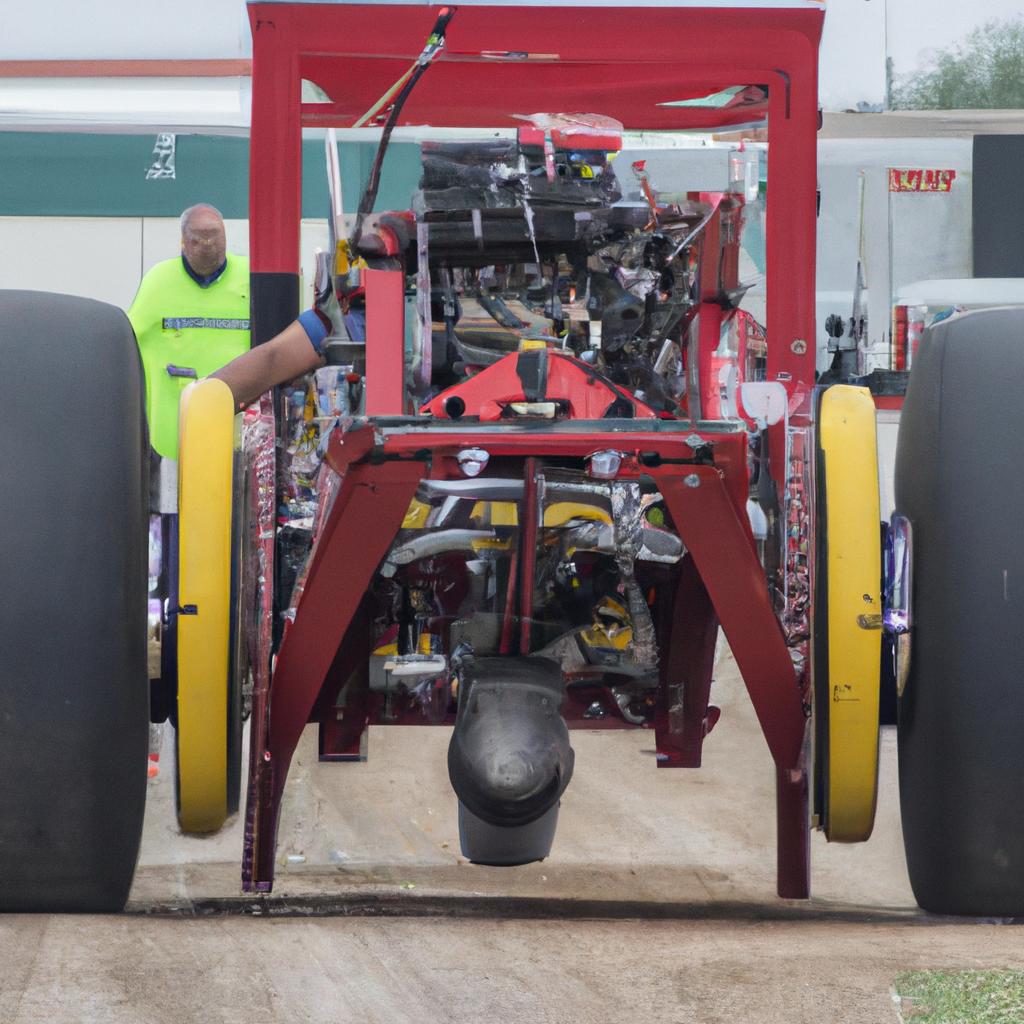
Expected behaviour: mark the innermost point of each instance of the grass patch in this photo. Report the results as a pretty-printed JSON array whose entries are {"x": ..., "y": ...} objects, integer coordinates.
[{"x": 961, "y": 997}]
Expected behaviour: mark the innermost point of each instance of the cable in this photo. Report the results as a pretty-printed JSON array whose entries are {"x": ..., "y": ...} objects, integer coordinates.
[{"x": 434, "y": 45}]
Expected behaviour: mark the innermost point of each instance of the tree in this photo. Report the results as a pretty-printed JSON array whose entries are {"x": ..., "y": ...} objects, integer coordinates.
[{"x": 986, "y": 71}]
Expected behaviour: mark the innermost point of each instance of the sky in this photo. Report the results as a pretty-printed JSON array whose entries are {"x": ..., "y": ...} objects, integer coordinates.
[
  {"x": 859, "y": 32},
  {"x": 852, "y": 55}
]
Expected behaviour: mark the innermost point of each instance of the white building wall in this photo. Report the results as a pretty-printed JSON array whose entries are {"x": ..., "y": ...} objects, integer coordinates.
[{"x": 104, "y": 258}]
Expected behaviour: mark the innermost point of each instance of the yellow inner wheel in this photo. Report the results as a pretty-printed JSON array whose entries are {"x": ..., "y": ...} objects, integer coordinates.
[
  {"x": 852, "y": 577},
  {"x": 204, "y": 597}
]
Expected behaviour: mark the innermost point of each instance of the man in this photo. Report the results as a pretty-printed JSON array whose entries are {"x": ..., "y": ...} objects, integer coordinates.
[{"x": 191, "y": 316}]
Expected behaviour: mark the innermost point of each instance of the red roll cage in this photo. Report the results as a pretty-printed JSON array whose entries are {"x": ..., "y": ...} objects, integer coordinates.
[{"x": 635, "y": 63}]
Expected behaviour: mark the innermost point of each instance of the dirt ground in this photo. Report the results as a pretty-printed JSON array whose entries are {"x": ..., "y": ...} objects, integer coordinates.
[{"x": 657, "y": 904}]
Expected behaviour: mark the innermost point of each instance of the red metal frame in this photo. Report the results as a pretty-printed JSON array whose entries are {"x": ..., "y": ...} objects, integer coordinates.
[
  {"x": 379, "y": 478},
  {"x": 606, "y": 60},
  {"x": 587, "y": 395}
]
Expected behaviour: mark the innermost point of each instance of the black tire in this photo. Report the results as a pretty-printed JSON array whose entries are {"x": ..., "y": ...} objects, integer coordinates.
[
  {"x": 961, "y": 716},
  {"x": 73, "y": 542}
]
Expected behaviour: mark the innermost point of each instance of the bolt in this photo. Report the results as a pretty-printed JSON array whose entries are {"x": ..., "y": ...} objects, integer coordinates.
[{"x": 692, "y": 480}]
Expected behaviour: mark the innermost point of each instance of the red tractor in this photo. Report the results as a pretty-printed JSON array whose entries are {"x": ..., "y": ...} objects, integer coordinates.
[{"x": 550, "y": 455}]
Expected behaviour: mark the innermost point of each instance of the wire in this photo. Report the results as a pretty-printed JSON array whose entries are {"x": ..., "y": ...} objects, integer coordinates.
[
  {"x": 384, "y": 99},
  {"x": 434, "y": 45}
]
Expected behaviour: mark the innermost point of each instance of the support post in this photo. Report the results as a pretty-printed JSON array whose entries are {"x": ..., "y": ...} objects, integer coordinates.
[
  {"x": 792, "y": 833},
  {"x": 369, "y": 506},
  {"x": 275, "y": 175},
  {"x": 723, "y": 552},
  {"x": 682, "y": 717}
]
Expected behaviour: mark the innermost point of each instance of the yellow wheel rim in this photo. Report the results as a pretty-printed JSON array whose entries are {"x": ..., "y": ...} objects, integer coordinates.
[
  {"x": 852, "y": 570},
  {"x": 206, "y": 447}
]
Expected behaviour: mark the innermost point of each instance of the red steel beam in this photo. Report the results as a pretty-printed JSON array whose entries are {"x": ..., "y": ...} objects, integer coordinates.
[
  {"x": 529, "y": 521},
  {"x": 687, "y": 662},
  {"x": 275, "y": 148},
  {"x": 370, "y": 506},
  {"x": 722, "y": 548}
]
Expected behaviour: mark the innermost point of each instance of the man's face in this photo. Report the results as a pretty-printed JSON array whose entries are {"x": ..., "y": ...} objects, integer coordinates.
[{"x": 203, "y": 243}]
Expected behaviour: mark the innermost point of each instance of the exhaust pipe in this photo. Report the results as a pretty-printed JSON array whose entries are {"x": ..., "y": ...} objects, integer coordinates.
[{"x": 509, "y": 759}]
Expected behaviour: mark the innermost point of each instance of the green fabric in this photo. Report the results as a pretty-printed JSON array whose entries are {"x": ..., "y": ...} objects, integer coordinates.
[{"x": 178, "y": 323}]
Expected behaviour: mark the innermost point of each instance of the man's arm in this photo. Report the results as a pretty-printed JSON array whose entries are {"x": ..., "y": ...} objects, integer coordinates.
[{"x": 285, "y": 356}]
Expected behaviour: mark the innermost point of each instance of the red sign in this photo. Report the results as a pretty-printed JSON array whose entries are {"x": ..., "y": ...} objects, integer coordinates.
[{"x": 920, "y": 180}]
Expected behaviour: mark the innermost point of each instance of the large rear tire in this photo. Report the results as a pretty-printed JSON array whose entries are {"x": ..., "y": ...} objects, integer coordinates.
[
  {"x": 961, "y": 714},
  {"x": 74, "y": 715}
]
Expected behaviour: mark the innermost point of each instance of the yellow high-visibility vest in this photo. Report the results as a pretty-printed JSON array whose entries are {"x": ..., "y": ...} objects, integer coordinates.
[{"x": 185, "y": 332}]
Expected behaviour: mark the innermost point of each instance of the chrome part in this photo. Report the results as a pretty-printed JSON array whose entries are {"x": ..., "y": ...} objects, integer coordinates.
[
  {"x": 473, "y": 461},
  {"x": 897, "y": 599},
  {"x": 426, "y": 544},
  {"x": 604, "y": 465},
  {"x": 627, "y": 517}
]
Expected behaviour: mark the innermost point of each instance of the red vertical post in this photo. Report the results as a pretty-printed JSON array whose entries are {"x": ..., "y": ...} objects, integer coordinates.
[
  {"x": 275, "y": 173},
  {"x": 369, "y": 506},
  {"x": 717, "y": 537},
  {"x": 681, "y": 720},
  {"x": 385, "y": 342},
  {"x": 792, "y": 212},
  {"x": 792, "y": 833},
  {"x": 529, "y": 523},
  {"x": 709, "y": 325},
  {"x": 792, "y": 352}
]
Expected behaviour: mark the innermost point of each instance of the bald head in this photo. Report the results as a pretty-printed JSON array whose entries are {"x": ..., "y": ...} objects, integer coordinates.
[{"x": 203, "y": 242}]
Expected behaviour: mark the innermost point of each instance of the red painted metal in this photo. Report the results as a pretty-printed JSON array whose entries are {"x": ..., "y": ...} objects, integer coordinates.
[
  {"x": 370, "y": 505},
  {"x": 793, "y": 836},
  {"x": 729, "y": 447},
  {"x": 665, "y": 79},
  {"x": 719, "y": 539},
  {"x": 508, "y": 620},
  {"x": 342, "y": 729},
  {"x": 682, "y": 716},
  {"x": 385, "y": 342},
  {"x": 709, "y": 334},
  {"x": 900, "y": 331},
  {"x": 893, "y": 402},
  {"x": 792, "y": 143},
  {"x": 586, "y": 394},
  {"x": 275, "y": 145},
  {"x": 355, "y": 55},
  {"x": 344, "y": 739},
  {"x": 529, "y": 521}
]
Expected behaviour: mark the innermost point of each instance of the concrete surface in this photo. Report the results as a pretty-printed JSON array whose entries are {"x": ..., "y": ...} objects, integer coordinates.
[{"x": 657, "y": 904}]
